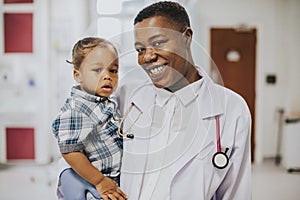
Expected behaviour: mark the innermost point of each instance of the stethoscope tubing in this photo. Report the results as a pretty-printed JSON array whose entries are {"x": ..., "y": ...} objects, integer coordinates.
[
  {"x": 218, "y": 133},
  {"x": 219, "y": 154}
]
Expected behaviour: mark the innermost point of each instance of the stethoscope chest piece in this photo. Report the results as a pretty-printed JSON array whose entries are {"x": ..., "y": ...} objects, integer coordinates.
[{"x": 220, "y": 160}]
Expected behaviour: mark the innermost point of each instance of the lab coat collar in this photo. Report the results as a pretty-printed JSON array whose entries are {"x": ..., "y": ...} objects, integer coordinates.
[
  {"x": 189, "y": 93},
  {"x": 184, "y": 95},
  {"x": 141, "y": 99},
  {"x": 210, "y": 96},
  {"x": 162, "y": 96}
]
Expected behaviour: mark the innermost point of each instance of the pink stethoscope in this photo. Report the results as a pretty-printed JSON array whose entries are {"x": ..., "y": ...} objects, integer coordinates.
[{"x": 220, "y": 160}]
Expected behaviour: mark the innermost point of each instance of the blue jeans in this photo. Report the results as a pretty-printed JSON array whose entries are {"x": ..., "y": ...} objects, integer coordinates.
[{"x": 74, "y": 187}]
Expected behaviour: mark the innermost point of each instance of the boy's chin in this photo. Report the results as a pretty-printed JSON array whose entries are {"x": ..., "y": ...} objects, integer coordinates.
[{"x": 102, "y": 94}]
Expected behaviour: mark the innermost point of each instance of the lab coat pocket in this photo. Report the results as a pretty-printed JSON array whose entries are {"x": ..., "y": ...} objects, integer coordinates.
[
  {"x": 206, "y": 150},
  {"x": 205, "y": 178}
]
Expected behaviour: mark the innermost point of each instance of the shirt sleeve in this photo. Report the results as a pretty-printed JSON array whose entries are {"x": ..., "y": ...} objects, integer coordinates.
[
  {"x": 237, "y": 183},
  {"x": 70, "y": 128}
]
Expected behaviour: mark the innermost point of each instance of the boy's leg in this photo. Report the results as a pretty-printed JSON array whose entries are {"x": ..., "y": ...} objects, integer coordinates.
[
  {"x": 74, "y": 187},
  {"x": 90, "y": 196}
]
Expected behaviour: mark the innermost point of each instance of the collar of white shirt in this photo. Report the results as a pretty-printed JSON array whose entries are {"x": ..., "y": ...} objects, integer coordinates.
[{"x": 184, "y": 95}]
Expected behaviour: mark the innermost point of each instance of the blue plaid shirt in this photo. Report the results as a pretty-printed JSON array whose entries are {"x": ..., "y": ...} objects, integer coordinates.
[{"x": 88, "y": 124}]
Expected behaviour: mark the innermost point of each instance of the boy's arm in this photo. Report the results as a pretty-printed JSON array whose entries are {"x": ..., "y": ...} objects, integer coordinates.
[
  {"x": 106, "y": 187},
  {"x": 79, "y": 162}
]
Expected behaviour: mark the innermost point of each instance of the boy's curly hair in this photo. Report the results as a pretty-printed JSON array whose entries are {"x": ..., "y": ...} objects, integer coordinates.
[{"x": 84, "y": 46}]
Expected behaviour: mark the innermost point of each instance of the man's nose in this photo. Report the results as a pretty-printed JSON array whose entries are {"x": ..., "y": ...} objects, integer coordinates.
[{"x": 150, "y": 55}]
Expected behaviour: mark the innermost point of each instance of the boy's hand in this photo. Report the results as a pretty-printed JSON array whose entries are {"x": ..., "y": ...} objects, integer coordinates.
[{"x": 108, "y": 189}]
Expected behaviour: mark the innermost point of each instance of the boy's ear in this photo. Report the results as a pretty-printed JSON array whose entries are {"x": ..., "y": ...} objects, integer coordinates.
[{"x": 77, "y": 75}]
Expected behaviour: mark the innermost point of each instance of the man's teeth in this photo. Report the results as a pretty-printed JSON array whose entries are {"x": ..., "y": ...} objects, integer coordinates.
[{"x": 157, "y": 70}]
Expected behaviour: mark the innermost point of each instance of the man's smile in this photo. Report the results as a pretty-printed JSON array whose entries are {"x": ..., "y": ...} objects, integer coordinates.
[{"x": 156, "y": 71}]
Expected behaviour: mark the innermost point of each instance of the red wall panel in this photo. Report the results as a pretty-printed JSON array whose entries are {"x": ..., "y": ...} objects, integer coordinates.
[
  {"x": 18, "y": 1},
  {"x": 20, "y": 143},
  {"x": 18, "y": 30}
]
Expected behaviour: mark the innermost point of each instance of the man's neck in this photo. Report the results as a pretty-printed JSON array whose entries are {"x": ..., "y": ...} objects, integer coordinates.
[{"x": 191, "y": 77}]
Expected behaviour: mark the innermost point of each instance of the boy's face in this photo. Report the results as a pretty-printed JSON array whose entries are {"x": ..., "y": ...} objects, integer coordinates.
[
  {"x": 161, "y": 51},
  {"x": 98, "y": 73}
]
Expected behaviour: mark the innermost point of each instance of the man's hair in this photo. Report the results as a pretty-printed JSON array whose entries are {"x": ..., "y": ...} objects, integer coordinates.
[{"x": 171, "y": 10}]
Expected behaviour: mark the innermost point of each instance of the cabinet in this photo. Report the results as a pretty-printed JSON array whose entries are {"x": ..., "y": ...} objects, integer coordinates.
[{"x": 290, "y": 143}]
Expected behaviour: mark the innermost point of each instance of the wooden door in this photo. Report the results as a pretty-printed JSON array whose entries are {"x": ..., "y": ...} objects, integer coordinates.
[{"x": 233, "y": 52}]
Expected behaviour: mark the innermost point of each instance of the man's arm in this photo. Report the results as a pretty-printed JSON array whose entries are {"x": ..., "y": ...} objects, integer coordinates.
[{"x": 237, "y": 183}]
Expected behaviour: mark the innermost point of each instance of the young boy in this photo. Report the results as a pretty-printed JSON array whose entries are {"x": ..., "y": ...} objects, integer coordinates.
[{"x": 86, "y": 126}]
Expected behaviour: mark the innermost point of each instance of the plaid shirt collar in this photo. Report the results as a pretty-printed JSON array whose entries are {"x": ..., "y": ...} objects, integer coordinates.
[{"x": 76, "y": 92}]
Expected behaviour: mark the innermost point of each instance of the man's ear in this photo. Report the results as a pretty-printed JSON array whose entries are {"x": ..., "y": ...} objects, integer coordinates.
[
  {"x": 77, "y": 75},
  {"x": 188, "y": 35}
]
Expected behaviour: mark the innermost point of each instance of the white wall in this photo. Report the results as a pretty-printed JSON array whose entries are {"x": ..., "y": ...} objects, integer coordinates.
[
  {"x": 291, "y": 33},
  {"x": 57, "y": 25},
  {"x": 23, "y": 104},
  {"x": 277, "y": 53},
  {"x": 69, "y": 22}
]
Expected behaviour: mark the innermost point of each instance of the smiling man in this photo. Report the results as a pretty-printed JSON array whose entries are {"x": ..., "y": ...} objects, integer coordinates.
[
  {"x": 181, "y": 121},
  {"x": 164, "y": 52}
]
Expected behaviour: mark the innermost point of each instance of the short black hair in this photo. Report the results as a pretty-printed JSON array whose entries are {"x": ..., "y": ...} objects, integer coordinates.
[{"x": 171, "y": 10}]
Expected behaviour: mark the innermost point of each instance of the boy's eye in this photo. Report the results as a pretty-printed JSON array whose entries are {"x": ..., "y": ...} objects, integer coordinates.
[
  {"x": 114, "y": 71},
  {"x": 97, "y": 70}
]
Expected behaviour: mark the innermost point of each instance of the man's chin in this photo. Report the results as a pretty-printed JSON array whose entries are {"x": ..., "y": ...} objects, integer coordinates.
[{"x": 158, "y": 85}]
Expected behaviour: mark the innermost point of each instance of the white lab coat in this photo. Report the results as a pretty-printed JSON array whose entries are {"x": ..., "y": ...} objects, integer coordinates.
[{"x": 191, "y": 175}]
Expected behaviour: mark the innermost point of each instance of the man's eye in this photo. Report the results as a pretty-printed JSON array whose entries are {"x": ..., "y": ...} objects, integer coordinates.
[
  {"x": 140, "y": 50},
  {"x": 158, "y": 43}
]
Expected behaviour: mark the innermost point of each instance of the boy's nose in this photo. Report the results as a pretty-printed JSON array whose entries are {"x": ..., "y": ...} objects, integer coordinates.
[{"x": 106, "y": 76}]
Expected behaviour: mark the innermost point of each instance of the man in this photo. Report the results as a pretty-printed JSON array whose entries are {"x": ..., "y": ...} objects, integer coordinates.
[{"x": 189, "y": 138}]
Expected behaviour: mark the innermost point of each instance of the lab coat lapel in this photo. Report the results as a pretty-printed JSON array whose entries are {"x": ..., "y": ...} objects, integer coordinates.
[
  {"x": 135, "y": 162},
  {"x": 211, "y": 99},
  {"x": 209, "y": 106}
]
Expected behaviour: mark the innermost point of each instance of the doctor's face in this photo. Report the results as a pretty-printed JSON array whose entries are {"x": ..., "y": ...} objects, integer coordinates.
[{"x": 162, "y": 51}]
